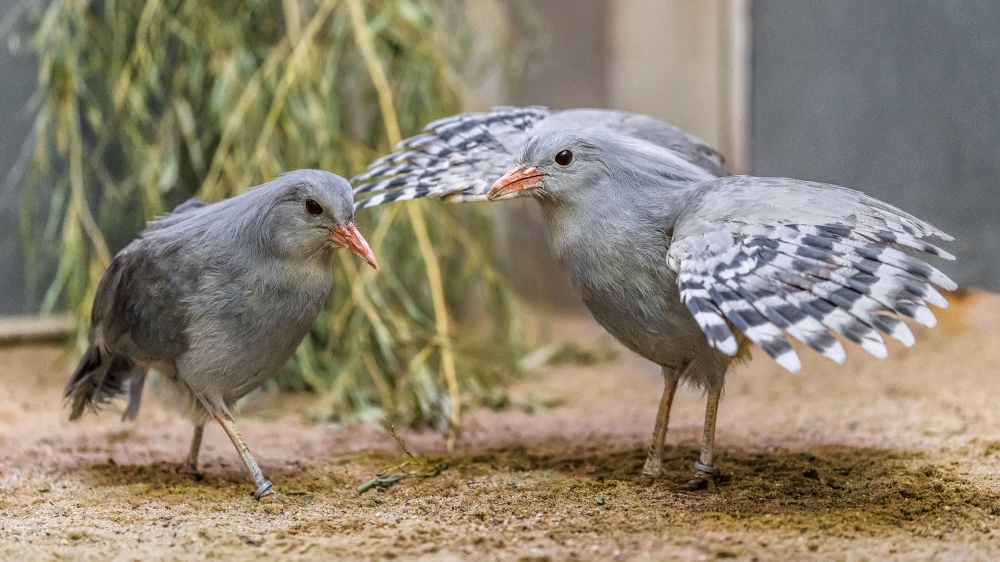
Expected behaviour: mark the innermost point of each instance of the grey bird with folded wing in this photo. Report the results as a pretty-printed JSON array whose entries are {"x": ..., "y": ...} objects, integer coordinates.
[{"x": 216, "y": 298}]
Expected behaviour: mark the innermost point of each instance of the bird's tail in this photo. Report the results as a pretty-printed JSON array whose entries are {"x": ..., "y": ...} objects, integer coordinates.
[{"x": 100, "y": 377}]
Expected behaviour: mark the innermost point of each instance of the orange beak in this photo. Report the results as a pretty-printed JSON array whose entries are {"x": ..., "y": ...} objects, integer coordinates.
[
  {"x": 350, "y": 238},
  {"x": 521, "y": 179}
]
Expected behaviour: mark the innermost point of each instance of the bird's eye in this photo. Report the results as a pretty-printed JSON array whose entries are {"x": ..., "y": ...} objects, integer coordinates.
[
  {"x": 313, "y": 208},
  {"x": 564, "y": 158}
]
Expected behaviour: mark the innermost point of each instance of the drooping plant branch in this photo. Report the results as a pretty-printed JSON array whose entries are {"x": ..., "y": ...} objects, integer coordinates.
[{"x": 142, "y": 106}]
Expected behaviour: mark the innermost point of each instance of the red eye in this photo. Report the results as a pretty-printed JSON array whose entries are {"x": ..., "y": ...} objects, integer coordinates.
[
  {"x": 564, "y": 158},
  {"x": 313, "y": 208}
]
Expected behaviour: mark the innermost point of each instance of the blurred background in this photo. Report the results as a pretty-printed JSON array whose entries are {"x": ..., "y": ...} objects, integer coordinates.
[{"x": 897, "y": 98}]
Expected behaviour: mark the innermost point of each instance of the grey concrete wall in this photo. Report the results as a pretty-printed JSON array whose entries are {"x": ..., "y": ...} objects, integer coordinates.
[
  {"x": 572, "y": 70},
  {"x": 897, "y": 98},
  {"x": 18, "y": 70}
]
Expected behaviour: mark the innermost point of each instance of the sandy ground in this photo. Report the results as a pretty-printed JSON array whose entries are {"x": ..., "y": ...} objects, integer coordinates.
[{"x": 876, "y": 460}]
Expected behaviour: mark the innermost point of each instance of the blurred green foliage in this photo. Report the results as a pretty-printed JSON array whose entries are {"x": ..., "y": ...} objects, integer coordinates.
[{"x": 145, "y": 104}]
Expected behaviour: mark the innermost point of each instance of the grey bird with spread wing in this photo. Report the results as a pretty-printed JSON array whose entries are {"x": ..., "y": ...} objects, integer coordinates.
[
  {"x": 216, "y": 298},
  {"x": 687, "y": 268}
]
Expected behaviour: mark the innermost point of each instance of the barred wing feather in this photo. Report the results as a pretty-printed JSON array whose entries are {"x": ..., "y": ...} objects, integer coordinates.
[
  {"x": 765, "y": 273},
  {"x": 459, "y": 158}
]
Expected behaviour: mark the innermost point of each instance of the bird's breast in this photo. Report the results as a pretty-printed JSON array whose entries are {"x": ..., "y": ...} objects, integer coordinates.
[
  {"x": 245, "y": 327},
  {"x": 626, "y": 284}
]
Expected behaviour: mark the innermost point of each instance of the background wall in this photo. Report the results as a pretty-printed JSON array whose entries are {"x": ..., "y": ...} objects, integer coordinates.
[
  {"x": 898, "y": 98},
  {"x": 666, "y": 61},
  {"x": 666, "y": 58}
]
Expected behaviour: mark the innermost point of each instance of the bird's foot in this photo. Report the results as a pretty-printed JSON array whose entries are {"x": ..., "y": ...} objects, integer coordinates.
[
  {"x": 190, "y": 470},
  {"x": 651, "y": 471},
  {"x": 704, "y": 477},
  {"x": 265, "y": 493},
  {"x": 653, "y": 467}
]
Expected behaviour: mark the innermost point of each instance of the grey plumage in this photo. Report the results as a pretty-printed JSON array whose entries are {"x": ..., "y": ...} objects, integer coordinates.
[
  {"x": 458, "y": 158},
  {"x": 815, "y": 257},
  {"x": 686, "y": 265},
  {"x": 642, "y": 235},
  {"x": 216, "y": 297},
  {"x": 761, "y": 254}
]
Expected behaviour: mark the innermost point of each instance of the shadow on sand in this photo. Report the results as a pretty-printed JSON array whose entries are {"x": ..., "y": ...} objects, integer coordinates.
[
  {"x": 847, "y": 490},
  {"x": 825, "y": 489}
]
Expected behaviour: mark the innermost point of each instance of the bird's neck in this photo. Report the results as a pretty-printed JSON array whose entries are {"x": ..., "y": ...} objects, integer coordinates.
[
  {"x": 584, "y": 236},
  {"x": 629, "y": 204},
  {"x": 633, "y": 225}
]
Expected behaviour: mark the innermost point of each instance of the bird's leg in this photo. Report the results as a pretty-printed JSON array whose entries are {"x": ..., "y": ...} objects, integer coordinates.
[
  {"x": 654, "y": 462},
  {"x": 135, "y": 385},
  {"x": 263, "y": 484},
  {"x": 704, "y": 465},
  {"x": 191, "y": 466}
]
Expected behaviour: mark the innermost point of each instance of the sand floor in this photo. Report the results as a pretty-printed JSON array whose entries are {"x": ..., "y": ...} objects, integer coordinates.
[{"x": 875, "y": 460}]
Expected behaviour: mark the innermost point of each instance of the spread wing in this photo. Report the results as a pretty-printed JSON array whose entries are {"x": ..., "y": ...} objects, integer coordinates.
[
  {"x": 459, "y": 158},
  {"x": 773, "y": 255}
]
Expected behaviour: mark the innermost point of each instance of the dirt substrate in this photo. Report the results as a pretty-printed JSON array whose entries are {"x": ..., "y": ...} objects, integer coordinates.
[{"x": 875, "y": 460}]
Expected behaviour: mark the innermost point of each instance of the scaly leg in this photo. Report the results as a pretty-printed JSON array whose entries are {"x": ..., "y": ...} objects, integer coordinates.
[
  {"x": 191, "y": 466},
  {"x": 654, "y": 462},
  {"x": 704, "y": 465},
  {"x": 263, "y": 484}
]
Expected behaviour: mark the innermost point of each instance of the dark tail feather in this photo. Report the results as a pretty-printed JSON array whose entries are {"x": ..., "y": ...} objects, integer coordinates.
[{"x": 97, "y": 379}]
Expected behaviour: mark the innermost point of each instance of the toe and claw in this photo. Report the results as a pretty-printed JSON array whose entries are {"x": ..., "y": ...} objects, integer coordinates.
[{"x": 264, "y": 491}]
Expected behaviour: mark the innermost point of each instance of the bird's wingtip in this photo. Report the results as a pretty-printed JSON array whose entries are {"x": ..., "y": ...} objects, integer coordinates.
[{"x": 789, "y": 360}]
